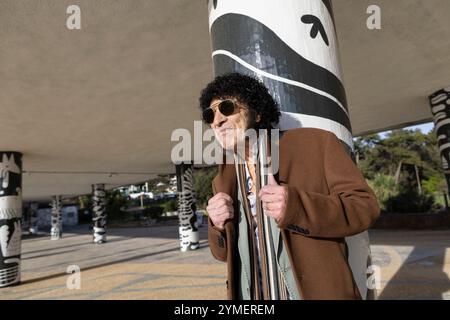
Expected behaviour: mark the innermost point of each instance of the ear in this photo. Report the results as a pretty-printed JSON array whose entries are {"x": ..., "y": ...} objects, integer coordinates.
[{"x": 258, "y": 118}]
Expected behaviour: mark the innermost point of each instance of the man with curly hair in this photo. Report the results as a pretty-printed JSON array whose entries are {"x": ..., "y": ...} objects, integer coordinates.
[{"x": 316, "y": 198}]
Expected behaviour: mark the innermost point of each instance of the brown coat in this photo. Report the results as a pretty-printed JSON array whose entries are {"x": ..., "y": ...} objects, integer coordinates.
[{"x": 328, "y": 199}]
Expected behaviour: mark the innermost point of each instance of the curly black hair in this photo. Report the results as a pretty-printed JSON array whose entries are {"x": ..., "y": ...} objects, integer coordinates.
[{"x": 246, "y": 90}]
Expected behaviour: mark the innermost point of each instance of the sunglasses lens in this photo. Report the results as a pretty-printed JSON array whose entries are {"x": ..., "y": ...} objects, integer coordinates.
[
  {"x": 226, "y": 108},
  {"x": 208, "y": 115}
]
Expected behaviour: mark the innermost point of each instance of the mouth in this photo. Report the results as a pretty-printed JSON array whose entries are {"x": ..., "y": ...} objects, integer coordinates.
[{"x": 223, "y": 131}]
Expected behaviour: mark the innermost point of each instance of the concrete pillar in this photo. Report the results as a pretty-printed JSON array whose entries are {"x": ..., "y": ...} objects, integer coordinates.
[
  {"x": 10, "y": 217},
  {"x": 293, "y": 49},
  {"x": 99, "y": 212},
  {"x": 189, "y": 235},
  {"x": 440, "y": 108},
  {"x": 56, "y": 231}
]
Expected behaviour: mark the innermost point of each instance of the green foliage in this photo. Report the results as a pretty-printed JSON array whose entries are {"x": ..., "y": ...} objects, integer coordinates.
[
  {"x": 434, "y": 184},
  {"x": 115, "y": 202},
  {"x": 153, "y": 212},
  {"x": 171, "y": 205},
  {"x": 412, "y": 202},
  {"x": 85, "y": 201},
  {"x": 203, "y": 189},
  {"x": 384, "y": 188},
  {"x": 379, "y": 160},
  {"x": 384, "y": 155}
]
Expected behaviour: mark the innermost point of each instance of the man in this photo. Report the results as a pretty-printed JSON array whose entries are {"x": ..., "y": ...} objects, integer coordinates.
[{"x": 316, "y": 198}]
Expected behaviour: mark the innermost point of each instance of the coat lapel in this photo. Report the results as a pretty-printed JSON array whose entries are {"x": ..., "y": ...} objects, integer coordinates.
[{"x": 226, "y": 182}]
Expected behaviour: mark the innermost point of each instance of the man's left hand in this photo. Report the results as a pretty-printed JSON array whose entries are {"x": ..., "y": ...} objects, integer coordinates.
[{"x": 274, "y": 199}]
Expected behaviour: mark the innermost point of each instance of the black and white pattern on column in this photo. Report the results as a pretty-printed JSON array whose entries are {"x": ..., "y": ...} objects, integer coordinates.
[
  {"x": 56, "y": 231},
  {"x": 440, "y": 108},
  {"x": 189, "y": 235},
  {"x": 293, "y": 49},
  {"x": 10, "y": 217},
  {"x": 99, "y": 212}
]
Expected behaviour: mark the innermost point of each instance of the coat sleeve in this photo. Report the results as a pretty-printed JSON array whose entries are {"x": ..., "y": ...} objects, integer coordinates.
[
  {"x": 217, "y": 239},
  {"x": 350, "y": 207}
]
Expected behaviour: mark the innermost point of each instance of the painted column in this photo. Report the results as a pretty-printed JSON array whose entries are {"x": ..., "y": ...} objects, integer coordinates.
[
  {"x": 440, "y": 108},
  {"x": 99, "y": 212},
  {"x": 10, "y": 217},
  {"x": 189, "y": 235},
  {"x": 56, "y": 231},
  {"x": 292, "y": 48}
]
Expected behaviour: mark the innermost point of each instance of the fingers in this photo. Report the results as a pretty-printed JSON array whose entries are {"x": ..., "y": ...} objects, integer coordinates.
[
  {"x": 271, "y": 180},
  {"x": 272, "y": 197},
  {"x": 217, "y": 212},
  {"x": 220, "y": 209},
  {"x": 274, "y": 210},
  {"x": 217, "y": 203},
  {"x": 272, "y": 206},
  {"x": 220, "y": 198},
  {"x": 270, "y": 189},
  {"x": 220, "y": 216},
  {"x": 224, "y": 195}
]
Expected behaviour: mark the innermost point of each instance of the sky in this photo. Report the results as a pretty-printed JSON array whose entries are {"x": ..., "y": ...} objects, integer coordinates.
[{"x": 425, "y": 128}]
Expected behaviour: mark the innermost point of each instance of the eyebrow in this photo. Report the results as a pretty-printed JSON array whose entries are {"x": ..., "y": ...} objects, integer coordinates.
[{"x": 215, "y": 104}]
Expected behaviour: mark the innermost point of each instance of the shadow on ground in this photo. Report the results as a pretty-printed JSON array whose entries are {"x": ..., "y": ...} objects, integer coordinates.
[{"x": 418, "y": 260}]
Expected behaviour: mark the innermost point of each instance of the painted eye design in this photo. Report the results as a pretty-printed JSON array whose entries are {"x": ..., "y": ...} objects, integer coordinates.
[
  {"x": 215, "y": 3},
  {"x": 317, "y": 27}
]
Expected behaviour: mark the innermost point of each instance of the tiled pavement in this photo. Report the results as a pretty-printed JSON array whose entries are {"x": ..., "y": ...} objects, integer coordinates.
[{"x": 145, "y": 263}]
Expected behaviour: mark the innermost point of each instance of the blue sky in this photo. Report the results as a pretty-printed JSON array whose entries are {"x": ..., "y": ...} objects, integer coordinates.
[{"x": 425, "y": 128}]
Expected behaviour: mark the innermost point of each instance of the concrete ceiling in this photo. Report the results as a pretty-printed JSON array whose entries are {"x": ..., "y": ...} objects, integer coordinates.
[
  {"x": 389, "y": 73},
  {"x": 98, "y": 105}
]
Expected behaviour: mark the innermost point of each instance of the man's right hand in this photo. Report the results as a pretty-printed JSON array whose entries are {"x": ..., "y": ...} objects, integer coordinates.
[{"x": 220, "y": 209}]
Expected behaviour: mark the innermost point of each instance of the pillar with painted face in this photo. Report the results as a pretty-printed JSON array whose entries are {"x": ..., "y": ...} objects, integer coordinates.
[
  {"x": 440, "y": 108},
  {"x": 99, "y": 212},
  {"x": 10, "y": 217},
  {"x": 56, "y": 230},
  {"x": 189, "y": 235},
  {"x": 292, "y": 48}
]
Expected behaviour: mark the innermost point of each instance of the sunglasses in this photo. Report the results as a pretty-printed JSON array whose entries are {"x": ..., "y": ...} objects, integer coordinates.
[{"x": 226, "y": 107}]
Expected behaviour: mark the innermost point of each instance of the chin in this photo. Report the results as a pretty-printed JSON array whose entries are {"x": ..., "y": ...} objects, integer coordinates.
[
  {"x": 224, "y": 142},
  {"x": 227, "y": 146}
]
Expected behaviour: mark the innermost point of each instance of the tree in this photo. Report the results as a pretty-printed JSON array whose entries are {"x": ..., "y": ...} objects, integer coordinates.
[
  {"x": 115, "y": 202},
  {"x": 159, "y": 184},
  {"x": 412, "y": 147},
  {"x": 203, "y": 188},
  {"x": 380, "y": 159},
  {"x": 384, "y": 188}
]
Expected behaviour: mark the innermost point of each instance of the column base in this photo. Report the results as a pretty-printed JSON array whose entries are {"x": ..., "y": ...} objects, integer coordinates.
[
  {"x": 192, "y": 247},
  {"x": 56, "y": 234},
  {"x": 12, "y": 276},
  {"x": 99, "y": 235}
]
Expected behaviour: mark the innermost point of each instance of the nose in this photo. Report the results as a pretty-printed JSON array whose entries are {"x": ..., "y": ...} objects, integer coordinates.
[{"x": 219, "y": 119}]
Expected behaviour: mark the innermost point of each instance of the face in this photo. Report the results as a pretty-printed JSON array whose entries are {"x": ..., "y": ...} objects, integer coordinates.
[{"x": 229, "y": 130}]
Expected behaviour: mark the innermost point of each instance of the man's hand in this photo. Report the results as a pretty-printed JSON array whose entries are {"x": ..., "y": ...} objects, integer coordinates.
[
  {"x": 220, "y": 209},
  {"x": 274, "y": 199}
]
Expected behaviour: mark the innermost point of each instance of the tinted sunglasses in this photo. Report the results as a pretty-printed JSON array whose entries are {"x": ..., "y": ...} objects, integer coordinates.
[{"x": 226, "y": 107}]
